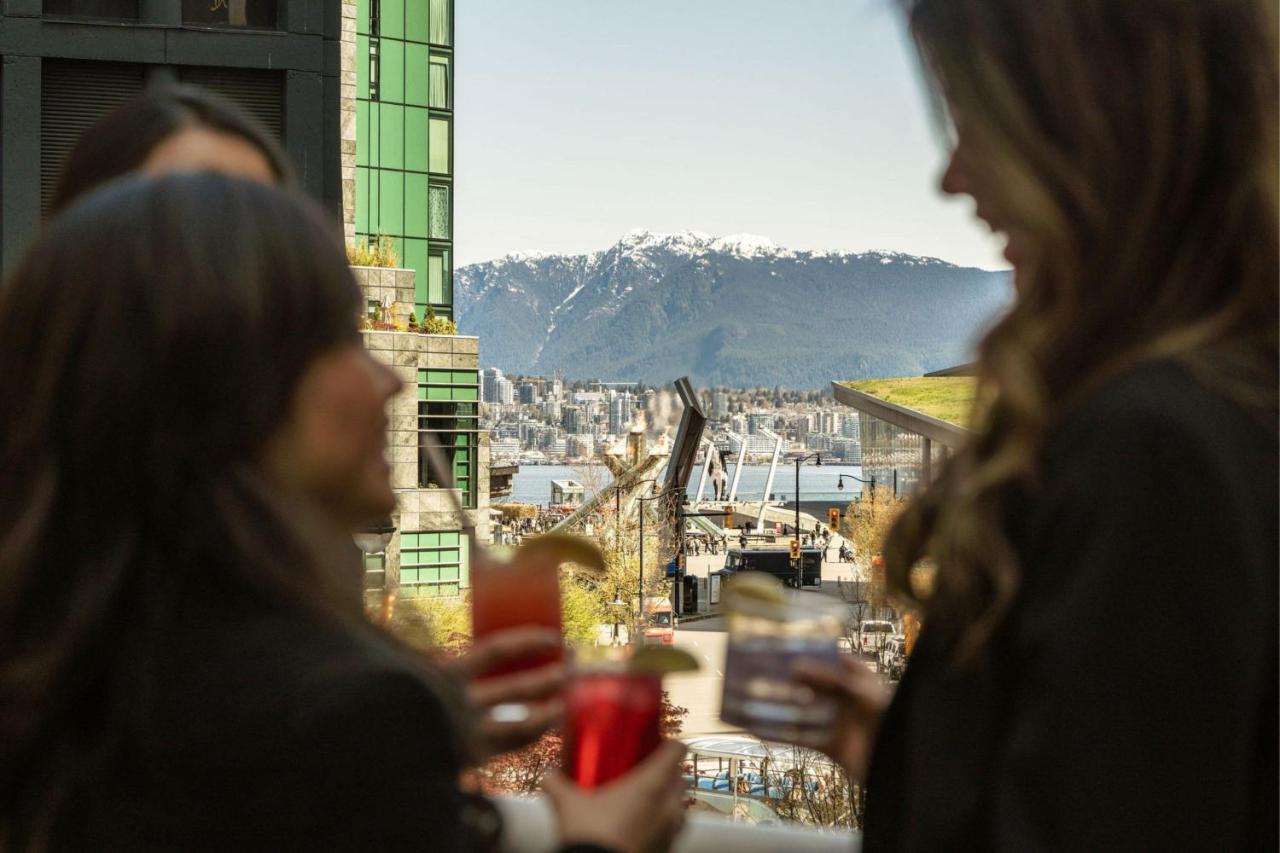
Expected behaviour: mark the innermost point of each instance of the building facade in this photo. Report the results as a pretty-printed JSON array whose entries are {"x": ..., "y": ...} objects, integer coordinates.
[
  {"x": 66, "y": 63},
  {"x": 900, "y": 448},
  {"x": 403, "y": 171}
]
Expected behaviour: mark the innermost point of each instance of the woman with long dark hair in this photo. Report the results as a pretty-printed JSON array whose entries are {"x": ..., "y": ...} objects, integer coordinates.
[
  {"x": 1098, "y": 667},
  {"x": 189, "y": 429}
]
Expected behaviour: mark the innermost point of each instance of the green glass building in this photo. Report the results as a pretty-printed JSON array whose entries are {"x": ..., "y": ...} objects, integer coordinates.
[{"x": 404, "y": 139}]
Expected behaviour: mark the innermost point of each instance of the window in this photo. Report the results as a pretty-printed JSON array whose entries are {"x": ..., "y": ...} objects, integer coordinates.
[
  {"x": 441, "y": 22},
  {"x": 375, "y": 572},
  {"x": 438, "y": 94},
  {"x": 448, "y": 421},
  {"x": 438, "y": 211},
  {"x": 111, "y": 10},
  {"x": 432, "y": 564},
  {"x": 256, "y": 14},
  {"x": 438, "y": 145},
  {"x": 439, "y": 279}
]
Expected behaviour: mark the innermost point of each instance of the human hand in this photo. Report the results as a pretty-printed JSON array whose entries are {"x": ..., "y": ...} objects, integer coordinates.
[
  {"x": 514, "y": 710},
  {"x": 861, "y": 700},
  {"x": 642, "y": 811}
]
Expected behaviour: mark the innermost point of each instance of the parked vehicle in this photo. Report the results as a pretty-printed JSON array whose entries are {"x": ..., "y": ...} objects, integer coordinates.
[
  {"x": 776, "y": 562},
  {"x": 893, "y": 657},
  {"x": 660, "y": 622},
  {"x": 873, "y": 635}
]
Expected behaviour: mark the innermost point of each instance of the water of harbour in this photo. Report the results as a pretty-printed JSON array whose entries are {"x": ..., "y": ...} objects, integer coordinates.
[{"x": 532, "y": 484}]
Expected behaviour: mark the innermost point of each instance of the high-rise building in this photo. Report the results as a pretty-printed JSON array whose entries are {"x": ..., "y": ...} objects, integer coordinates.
[
  {"x": 403, "y": 171},
  {"x": 528, "y": 393},
  {"x": 571, "y": 419},
  {"x": 757, "y": 421},
  {"x": 506, "y": 391},
  {"x": 67, "y": 63},
  {"x": 489, "y": 378},
  {"x": 849, "y": 425},
  {"x": 396, "y": 120},
  {"x": 719, "y": 406}
]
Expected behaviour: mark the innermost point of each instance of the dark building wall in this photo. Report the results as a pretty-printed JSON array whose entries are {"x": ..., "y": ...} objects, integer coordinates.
[{"x": 59, "y": 72}]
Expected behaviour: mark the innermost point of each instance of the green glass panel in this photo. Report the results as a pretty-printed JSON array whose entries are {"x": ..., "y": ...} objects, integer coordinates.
[
  {"x": 416, "y": 197},
  {"x": 391, "y": 72},
  {"x": 438, "y": 83},
  {"x": 397, "y": 245},
  {"x": 432, "y": 574},
  {"x": 390, "y": 202},
  {"x": 416, "y": 122},
  {"x": 408, "y": 540},
  {"x": 415, "y": 259},
  {"x": 448, "y": 538},
  {"x": 439, "y": 212},
  {"x": 438, "y": 145},
  {"x": 432, "y": 539},
  {"x": 464, "y": 394},
  {"x": 408, "y": 575},
  {"x": 464, "y": 559},
  {"x": 448, "y": 590},
  {"x": 441, "y": 377},
  {"x": 362, "y": 16},
  {"x": 435, "y": 277},
  {"x": 422, "y": 375},
  {"x": 416, "y": 73},
  {"x": 449, "y": 574},
  {"x": 362, "y": 66},
  {"x": 391, "y": 18},
  {"x": 422, "y": 392},
  {"x": 465, "y": 377},
  {"x": 415, "y": 21},
  {"x": 362, "y": 194},
  {"x": 391, "y": 152},
  {"x": 441, "y": 21}
]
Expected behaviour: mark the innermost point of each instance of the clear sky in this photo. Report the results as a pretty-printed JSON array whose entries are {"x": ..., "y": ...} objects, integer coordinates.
[{"x": 805, "y": 121}]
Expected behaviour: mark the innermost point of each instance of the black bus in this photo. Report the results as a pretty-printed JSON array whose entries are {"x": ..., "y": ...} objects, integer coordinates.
[{"x": 776, "y": 562}]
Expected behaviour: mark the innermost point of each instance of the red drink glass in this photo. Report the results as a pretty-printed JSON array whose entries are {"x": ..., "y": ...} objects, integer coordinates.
[
  {"x": 516, "y": 595},
  {"x": 611, "y": 723}
]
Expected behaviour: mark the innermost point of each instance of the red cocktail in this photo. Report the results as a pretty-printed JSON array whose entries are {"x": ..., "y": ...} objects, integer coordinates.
[
  {"x": 516, "y": 595},
  {"x": 611, "y": 723}
]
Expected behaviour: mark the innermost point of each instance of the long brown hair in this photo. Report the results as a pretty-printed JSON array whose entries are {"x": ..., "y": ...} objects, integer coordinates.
[
  {"x": 150, "y": 341},
  {"x": 1136, "y": 143}
]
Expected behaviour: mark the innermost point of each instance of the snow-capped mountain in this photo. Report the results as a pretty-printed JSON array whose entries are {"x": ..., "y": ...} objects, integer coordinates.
[{"x": 736, "y": 310}]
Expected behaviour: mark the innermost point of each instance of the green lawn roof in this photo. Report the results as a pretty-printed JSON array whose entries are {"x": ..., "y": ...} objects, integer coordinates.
[{"x": 946, "y": 398}]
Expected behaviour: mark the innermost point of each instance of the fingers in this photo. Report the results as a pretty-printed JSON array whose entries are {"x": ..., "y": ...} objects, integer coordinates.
[
  {"x": 502, "y": 737},
  {"x": 509, "y": 646},
  {"x": 529, "y": 686},
  {"x": 852, "y": 681}
]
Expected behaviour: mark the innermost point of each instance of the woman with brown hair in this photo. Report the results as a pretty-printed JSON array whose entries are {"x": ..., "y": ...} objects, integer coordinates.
[
  {"x": 190, "y": 427},
  {"x": 1098, "y": 666}
]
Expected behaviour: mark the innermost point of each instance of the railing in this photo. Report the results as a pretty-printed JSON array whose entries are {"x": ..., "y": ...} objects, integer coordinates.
[{"x": 529, "y": 827}]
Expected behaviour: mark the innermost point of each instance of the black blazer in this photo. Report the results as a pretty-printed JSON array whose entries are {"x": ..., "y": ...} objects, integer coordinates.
[
  {"x": 1130, "y": 701},
  {"x": 268, "y": 730}
]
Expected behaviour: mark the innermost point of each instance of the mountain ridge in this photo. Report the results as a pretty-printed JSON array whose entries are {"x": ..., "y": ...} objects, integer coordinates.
[{"x": 661, "y": 304}]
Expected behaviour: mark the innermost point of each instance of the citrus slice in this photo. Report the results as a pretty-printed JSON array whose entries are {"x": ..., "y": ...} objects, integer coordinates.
[
  {"x": 557, "y": 548},
  {"x": 756, "y": 586},
  {"x": 662, "y": 660}
]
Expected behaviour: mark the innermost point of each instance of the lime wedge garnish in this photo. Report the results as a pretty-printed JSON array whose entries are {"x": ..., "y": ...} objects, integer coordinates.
[
  {"x": 756, "y": 586},
  {"x": 557, "y": 548},
  {"x": 662, "y": 660}
]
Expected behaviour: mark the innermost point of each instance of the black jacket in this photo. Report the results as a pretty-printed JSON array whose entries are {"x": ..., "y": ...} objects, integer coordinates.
[
  {"x": 1130, "y": 700},
  {"x": 269, "y": 730}
]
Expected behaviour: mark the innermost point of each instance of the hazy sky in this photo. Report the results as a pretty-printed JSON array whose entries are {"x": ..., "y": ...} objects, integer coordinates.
[{"x": 804, "y": 121}]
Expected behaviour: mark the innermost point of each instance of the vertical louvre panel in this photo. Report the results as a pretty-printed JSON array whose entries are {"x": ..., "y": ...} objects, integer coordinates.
[
  {"x": 259, "y": 93},
  {"x": 74, "y": 95}
]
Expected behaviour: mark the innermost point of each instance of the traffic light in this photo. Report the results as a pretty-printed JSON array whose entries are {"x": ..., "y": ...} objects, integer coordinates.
[
  {"x": 728, "y": 518},
  {"x": 795, "y": 549},
  {"x": 833, "y": 519}
]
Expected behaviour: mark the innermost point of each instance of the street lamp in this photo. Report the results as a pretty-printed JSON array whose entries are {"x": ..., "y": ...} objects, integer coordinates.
[
  {"x": 871, "y": 483},
  {"x": 374, "y": 539},
  {"x": 800, "y": 460}
]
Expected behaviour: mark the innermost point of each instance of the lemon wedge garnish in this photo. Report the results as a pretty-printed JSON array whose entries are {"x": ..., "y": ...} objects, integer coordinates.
[{"x": 756, "y": 586}]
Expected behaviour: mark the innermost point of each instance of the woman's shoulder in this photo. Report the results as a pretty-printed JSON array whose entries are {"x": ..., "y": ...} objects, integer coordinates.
[
  {"x": 271, "y": 680},
  {"x": 1155, "y": 410}
]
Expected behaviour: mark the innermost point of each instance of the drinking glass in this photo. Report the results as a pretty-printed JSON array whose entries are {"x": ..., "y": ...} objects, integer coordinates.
[
  {"x": 516, "y": 595},
  {"x": 766, "y": 638},
  {"x": 611, "y": 722}
]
